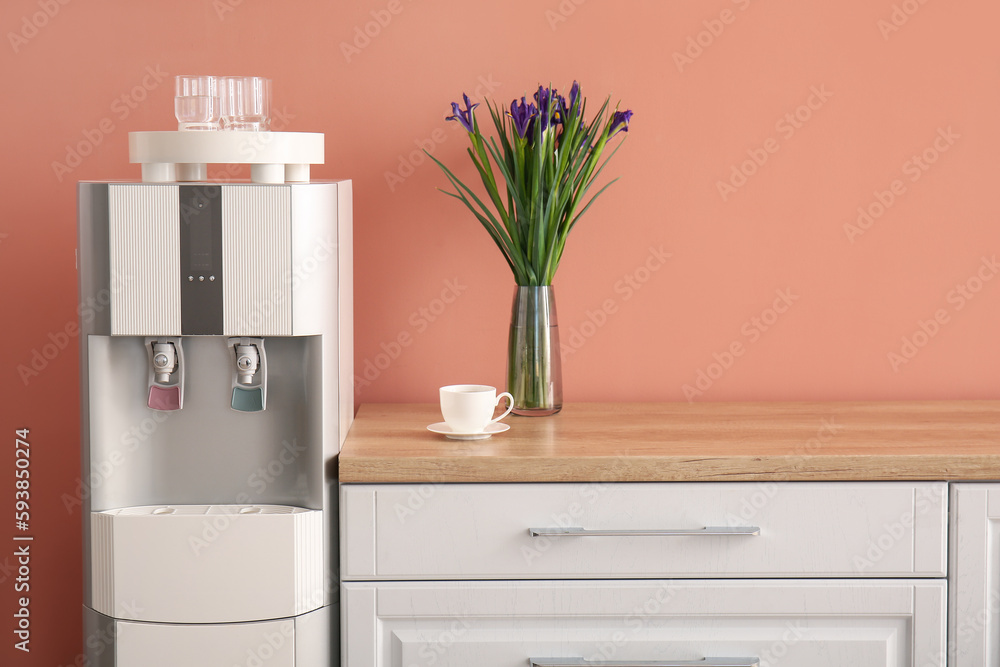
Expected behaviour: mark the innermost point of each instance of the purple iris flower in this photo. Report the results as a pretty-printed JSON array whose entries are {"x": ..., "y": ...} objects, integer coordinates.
[
  {"x": 564, "y": 107},
  {"x": 463, "y": 117},
  {"x": 522, "y": 114},
  {"x": 619, "y": 122},
  {"x": 574, "y": 93},
  {"x": 544, "y": 97}
]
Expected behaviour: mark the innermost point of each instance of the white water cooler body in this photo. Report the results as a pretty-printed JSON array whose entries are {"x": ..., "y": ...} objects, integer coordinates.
[{"x": 216, "y": 359}]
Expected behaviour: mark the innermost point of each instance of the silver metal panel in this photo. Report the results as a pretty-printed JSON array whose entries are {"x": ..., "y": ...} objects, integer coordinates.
[
  {"x": 92, "y": 259},
  {"x": 256, "y": 260},
  {"x": 99, "y": 639},
  {"x": 144, "y": 240},
  {"x": 206, "y": 453}
]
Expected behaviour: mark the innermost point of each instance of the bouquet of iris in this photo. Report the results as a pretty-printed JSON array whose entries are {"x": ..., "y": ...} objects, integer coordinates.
[
  {"x": 537, "y": 172},
  {"x": 548, "y": 156}
]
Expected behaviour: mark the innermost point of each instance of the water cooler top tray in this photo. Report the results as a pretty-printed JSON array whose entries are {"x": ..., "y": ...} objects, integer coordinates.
[{"x": 276, "y": 157}]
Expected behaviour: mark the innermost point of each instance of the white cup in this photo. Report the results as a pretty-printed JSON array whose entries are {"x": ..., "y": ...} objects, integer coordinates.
[{"x": 468, "y": 408}]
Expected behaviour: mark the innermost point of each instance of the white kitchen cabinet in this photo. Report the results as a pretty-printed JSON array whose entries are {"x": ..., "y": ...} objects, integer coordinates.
[
  {"x": 847, "y": 534},
  {"x": 815, "y": 623},
  {"x": 974, "y": 575}
]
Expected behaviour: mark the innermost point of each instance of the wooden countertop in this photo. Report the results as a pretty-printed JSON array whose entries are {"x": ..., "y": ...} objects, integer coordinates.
[{"x": 647, "y": 442}]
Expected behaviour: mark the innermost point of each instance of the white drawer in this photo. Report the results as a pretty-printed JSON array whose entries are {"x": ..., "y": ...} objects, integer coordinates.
[
  {"x": 819, "y": 623},
  {"x": 481, "y": 531}
]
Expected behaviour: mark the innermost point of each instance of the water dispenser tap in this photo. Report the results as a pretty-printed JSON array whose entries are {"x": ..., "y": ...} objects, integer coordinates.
[
  {"x": 164, "y": 362},
  {"x": 247, "y": 361},
  {"x": 249, "y": 375},
  {"x": 166, "y": 373}
]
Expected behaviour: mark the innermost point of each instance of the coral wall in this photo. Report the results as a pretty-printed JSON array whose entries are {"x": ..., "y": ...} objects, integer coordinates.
[{"x": 806, "y": 209}]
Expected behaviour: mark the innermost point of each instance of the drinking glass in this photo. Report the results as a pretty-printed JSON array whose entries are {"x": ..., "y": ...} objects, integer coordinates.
[
  {"x": 245, "y": 103},
  {"x": 196, "y": 102}
]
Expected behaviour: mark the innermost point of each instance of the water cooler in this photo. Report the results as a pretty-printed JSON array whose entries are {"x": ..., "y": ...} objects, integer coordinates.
[{"x": 216, "y": 393}]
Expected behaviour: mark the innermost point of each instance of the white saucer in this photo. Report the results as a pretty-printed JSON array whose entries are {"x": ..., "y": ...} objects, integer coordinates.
[{"x": 445, "y": 430}]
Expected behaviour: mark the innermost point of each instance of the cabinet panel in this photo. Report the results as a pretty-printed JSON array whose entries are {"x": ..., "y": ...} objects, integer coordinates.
[
  {"x": 974, "y": 627},
  {"x": 875, "y": 623},
  {"x": 481, "y": 531}
]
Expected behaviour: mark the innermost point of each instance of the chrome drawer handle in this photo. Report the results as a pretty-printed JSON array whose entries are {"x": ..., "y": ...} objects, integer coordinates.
[
  {"x": 577, "y": 531},
  {"x": 704, "y": 662}
]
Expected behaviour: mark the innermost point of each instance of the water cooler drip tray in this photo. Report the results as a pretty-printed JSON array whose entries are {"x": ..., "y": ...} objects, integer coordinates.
[{"x": 207, "y": 563}]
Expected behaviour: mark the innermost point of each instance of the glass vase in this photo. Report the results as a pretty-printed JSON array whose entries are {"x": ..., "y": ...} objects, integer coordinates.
[{"x": 534, "y": 368}]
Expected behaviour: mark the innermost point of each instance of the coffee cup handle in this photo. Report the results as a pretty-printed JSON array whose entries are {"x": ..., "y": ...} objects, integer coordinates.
[{"x": 510, "y": 406}]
